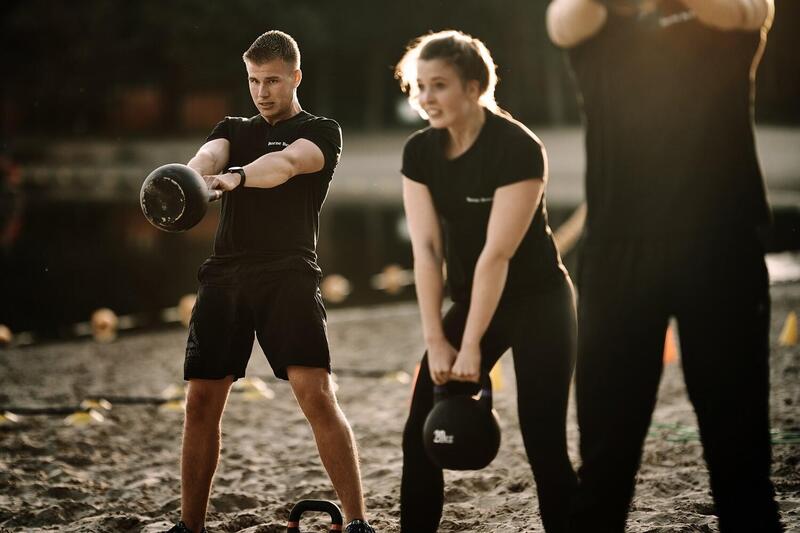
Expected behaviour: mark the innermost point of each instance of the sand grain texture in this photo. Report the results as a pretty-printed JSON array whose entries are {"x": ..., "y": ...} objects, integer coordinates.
[{"x": 123, "y": 475}]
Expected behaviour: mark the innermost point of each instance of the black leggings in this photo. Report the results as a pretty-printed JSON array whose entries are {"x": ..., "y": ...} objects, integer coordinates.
[
  {"x": 541, "y": 332},
  {"x": 718, "y": 291}
]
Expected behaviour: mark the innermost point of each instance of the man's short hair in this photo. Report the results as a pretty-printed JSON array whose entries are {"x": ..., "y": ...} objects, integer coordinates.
[{"x": 274, "y": 44}]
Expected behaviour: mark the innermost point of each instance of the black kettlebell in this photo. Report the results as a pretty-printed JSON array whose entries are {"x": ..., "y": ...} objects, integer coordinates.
[
  {"x": 460, "y": 432},
  {"x": 175, "y": 197},
  {"x": 322, "y": 506}
]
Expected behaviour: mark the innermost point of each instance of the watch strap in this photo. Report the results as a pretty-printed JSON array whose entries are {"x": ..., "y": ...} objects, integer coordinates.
[{"x": 241, "y": 172}]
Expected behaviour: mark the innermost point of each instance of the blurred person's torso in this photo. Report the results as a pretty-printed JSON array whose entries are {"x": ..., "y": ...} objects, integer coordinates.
[{"x": 669, "y": 138}]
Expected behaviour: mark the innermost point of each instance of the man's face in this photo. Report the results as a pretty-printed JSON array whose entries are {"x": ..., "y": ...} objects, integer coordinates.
[{"x": 272, "y": 88}]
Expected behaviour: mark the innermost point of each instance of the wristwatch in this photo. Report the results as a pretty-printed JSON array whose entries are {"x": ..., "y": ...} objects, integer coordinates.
[{"x": 240, "y": 171}]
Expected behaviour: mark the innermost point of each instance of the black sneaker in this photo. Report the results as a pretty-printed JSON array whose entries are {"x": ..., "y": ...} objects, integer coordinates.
[
  {"x": 180, "y": 527},
  {"x": 359, "y": 526}
]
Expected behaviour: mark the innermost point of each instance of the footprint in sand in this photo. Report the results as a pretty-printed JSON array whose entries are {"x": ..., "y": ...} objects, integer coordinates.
[{"x": 232, "y": 501}]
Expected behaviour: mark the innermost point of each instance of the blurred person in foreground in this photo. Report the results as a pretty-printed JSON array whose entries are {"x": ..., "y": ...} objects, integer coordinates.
[
  {"x": 675, "y": 196},
  {"x": 263, "y": 279},
  {"x": 473, "y": 187}
]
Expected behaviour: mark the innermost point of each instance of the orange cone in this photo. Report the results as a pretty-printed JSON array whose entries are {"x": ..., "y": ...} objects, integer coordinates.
[{"x": 671, "y": 349}]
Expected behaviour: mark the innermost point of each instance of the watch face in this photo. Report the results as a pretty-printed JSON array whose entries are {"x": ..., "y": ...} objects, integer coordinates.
[{"x": 240, "y": 171}]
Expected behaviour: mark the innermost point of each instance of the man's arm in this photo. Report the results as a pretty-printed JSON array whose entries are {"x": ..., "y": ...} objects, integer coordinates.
[
  {"x": 732, "y": 14},
  {"x": 276, "y": 168},
  {"x": 211, "y": 158},
  {"x": 570, "y": 22}
]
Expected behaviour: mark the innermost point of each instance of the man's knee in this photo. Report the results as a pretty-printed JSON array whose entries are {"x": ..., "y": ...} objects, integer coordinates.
[
  {"x": 313, "y": 389},
  {"x": 205, "y": 400}
]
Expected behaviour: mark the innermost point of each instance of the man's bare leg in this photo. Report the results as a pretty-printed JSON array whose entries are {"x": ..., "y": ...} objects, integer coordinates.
[
  {"x": 335, "y": 442},
  {"x": 205, "y": 403}
]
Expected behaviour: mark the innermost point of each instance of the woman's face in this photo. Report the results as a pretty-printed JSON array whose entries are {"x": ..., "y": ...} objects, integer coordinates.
[{"x": 443, "y": 95}]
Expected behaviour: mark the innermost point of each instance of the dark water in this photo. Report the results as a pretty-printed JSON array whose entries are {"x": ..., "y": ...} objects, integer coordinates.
[
  {"x": 66, "y": 257},
  {"x": 70, "y": 256}
]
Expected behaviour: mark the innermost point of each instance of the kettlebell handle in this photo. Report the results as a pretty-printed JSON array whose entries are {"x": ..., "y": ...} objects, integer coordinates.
[
  {"x": 440, "y": 391},
  {"x": 323, "y": 506}
]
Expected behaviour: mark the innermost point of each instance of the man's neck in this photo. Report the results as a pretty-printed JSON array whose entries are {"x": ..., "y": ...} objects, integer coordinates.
[{"x": 291, "y": 111}]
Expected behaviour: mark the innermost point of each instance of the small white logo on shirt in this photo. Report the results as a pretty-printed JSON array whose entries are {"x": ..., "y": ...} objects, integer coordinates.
[
  {"x": 277, "y": 143},
  {"x": 440, "y": 436},
  {"x": 479, "y": 200}
]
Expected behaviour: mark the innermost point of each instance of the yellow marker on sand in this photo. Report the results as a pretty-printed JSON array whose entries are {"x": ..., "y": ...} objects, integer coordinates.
[
  {"x": 496, "y": 375},
  {"x": 788, "y": 336},
  {"x": 8, "y": 418},
  {"x": 254, "y": 389},
  {"x": 173, "y": 405},
  {"x": 86, "y": 418},
  {"x": 96, "y": 404}
]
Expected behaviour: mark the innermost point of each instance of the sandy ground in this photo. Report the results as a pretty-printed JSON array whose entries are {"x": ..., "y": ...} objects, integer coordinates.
[{"x": 122, "y": 475}]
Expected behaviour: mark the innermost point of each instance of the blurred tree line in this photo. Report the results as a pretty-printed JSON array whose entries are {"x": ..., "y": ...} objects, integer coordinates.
[{"x": 103, "y": 68}]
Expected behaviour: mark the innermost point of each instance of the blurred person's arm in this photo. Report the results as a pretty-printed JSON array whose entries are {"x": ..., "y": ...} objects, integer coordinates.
[
  {"x": 513, "y": 209},
  {"x": 570, "y": 22},
  {"x": 211, "y": 158},
  {"x": 732, "y": 14},
  {"x": 275, "y": 168},
  {"x": 427, "y": 246}
]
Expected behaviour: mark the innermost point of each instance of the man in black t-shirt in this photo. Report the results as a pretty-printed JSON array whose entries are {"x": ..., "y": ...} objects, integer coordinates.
[
  {"x": 674, "y": 197},
  {"x": 263, "y": 280}
]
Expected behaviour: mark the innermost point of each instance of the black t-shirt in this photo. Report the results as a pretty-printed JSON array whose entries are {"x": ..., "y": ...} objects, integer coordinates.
[
  {"x": 276, "y": 228},
  {"x": 669, "y": 138},
  {"x": 463, "y": 189}
]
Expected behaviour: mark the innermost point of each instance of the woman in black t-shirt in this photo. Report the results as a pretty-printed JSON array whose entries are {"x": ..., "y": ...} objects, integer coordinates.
[{"x": 473, "y": 185}]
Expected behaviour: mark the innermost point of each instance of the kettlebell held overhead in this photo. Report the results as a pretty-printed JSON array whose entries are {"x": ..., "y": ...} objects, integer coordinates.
[{"x": 175, "y": 197}]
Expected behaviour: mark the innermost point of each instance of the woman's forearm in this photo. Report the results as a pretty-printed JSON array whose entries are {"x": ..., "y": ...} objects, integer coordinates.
[
  {"x": 430, "y": 289},
  {"x": 491, "y": 272}
]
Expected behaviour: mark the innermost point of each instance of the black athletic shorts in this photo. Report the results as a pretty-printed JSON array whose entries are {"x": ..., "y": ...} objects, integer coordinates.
[{"x": 236, "y": 302}]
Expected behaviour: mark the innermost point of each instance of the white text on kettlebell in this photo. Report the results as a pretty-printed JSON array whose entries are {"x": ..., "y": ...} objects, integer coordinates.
[{"x": 441, "y": 437}]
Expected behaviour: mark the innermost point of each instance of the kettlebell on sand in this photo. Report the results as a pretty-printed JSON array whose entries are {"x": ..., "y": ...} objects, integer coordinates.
[
  {"x": 322, "y": 506},
  {"x": 460, "y": 432}
]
